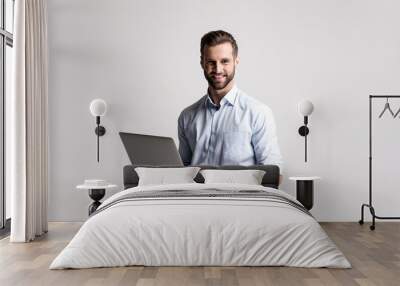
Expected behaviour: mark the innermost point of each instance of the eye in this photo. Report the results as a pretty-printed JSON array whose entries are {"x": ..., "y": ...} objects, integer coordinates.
[{"x": 225, "y": 61}]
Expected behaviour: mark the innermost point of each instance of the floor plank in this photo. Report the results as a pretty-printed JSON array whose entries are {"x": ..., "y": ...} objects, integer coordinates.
[{"x": 374, "y": 255}]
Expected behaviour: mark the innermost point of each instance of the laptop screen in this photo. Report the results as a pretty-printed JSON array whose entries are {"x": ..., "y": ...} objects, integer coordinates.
[{"x": 151, "y": 150}]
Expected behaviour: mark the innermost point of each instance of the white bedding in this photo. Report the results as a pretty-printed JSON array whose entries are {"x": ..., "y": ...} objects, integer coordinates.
[{"x": 200, "y": 231}]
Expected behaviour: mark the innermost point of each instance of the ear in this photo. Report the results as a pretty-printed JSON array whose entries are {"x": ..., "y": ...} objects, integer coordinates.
[
  {"x": 201, "y": 62},
  {"x": 237, "y": 60}
]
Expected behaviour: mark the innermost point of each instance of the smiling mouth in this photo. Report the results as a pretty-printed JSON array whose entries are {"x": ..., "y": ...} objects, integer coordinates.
[{"x": 218, "y": 77}]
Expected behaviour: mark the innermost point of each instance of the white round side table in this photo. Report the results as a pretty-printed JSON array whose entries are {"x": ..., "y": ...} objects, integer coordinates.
[{"x": 96, "y": 193}]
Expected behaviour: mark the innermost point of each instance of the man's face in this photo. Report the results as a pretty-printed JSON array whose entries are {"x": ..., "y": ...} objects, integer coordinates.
[{"x": 219, "y": 65}]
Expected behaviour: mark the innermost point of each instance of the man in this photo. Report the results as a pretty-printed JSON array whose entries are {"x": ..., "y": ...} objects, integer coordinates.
[{"x": 226, "y": 126}]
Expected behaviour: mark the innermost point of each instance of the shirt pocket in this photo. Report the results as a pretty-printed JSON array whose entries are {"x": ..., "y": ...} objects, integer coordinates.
[{"x": 237, "y": 146}]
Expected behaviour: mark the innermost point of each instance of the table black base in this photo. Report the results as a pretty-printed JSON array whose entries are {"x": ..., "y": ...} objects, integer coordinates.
[
  {"x": 305, "y": 193},
  {"x": 96, "y": 195}
]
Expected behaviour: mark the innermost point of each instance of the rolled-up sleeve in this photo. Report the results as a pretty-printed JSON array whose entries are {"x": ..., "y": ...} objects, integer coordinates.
[
  {"x": 265, "y": 140},
  {"x": 184, "y": 148}
]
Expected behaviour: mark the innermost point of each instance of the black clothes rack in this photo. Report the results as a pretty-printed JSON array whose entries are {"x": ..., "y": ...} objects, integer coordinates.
[{"x": 369, "y": 205}]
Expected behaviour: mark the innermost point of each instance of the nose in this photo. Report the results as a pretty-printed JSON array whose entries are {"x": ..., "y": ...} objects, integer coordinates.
[{"x": 218, "y": 68}]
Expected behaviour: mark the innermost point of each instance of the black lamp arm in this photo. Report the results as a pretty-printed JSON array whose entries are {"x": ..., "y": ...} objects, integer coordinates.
[
  {"x": 303, "y": 131},
  {"x": 100, "y": 131}
]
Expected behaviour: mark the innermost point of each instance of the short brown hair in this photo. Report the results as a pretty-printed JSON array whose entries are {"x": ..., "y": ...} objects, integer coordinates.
[{"x": 214, "y": 38}]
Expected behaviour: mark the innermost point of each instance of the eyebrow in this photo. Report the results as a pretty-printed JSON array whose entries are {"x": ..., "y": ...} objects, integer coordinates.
[{"x": 213, "y": 61}]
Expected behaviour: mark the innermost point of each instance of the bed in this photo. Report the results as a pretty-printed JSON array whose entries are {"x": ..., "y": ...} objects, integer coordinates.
[{"x": 201, "y": 224}]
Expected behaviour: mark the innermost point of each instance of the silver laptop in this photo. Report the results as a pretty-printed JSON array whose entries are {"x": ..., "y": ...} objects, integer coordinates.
[{"x": 151, "y": 150}]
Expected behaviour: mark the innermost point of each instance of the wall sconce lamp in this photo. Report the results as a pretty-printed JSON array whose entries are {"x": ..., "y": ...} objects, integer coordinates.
[
  {"x": 305, "y": 108},
  {"x": 98, "y": 108}
]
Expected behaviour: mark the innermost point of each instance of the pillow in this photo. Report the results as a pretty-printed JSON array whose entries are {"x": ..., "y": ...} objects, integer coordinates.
[
  {"x": 249, "y": 177},
  {"x": 161, "y": 176}
]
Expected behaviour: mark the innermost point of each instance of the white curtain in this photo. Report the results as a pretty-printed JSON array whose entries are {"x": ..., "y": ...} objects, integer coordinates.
[{"x": 29, "y": 122}]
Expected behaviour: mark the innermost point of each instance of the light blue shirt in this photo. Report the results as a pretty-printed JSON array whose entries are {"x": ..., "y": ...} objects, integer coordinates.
[{"x": 240, "y": 132}]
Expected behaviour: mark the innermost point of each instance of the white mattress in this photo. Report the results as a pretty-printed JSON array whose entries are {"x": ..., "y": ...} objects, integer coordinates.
[{"x": 200, "y": 231}]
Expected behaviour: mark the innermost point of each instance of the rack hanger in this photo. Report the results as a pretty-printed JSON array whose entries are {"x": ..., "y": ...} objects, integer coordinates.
[
  {"x": 397, "y": 113},
  {"x": 387, "y": 107}
]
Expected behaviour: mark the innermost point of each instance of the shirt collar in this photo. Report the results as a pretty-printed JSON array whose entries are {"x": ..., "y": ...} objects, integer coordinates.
[{"x": 230, "y": 98}]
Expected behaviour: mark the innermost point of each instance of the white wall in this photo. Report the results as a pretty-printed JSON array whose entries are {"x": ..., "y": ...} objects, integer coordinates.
[{"x": 142, "y": 57}]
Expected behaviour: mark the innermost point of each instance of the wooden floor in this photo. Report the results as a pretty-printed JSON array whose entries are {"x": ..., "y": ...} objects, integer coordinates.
[{"x": 374, "y": 255}]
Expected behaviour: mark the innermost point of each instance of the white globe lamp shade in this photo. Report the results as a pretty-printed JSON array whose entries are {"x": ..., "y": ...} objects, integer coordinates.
[
  {"x": 98, "y": 107},
  {"x": 305, "y": 107}
]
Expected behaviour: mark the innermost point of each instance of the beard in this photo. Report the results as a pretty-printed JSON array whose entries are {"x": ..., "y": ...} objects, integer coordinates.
[{"x": 218, "y": 85}]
